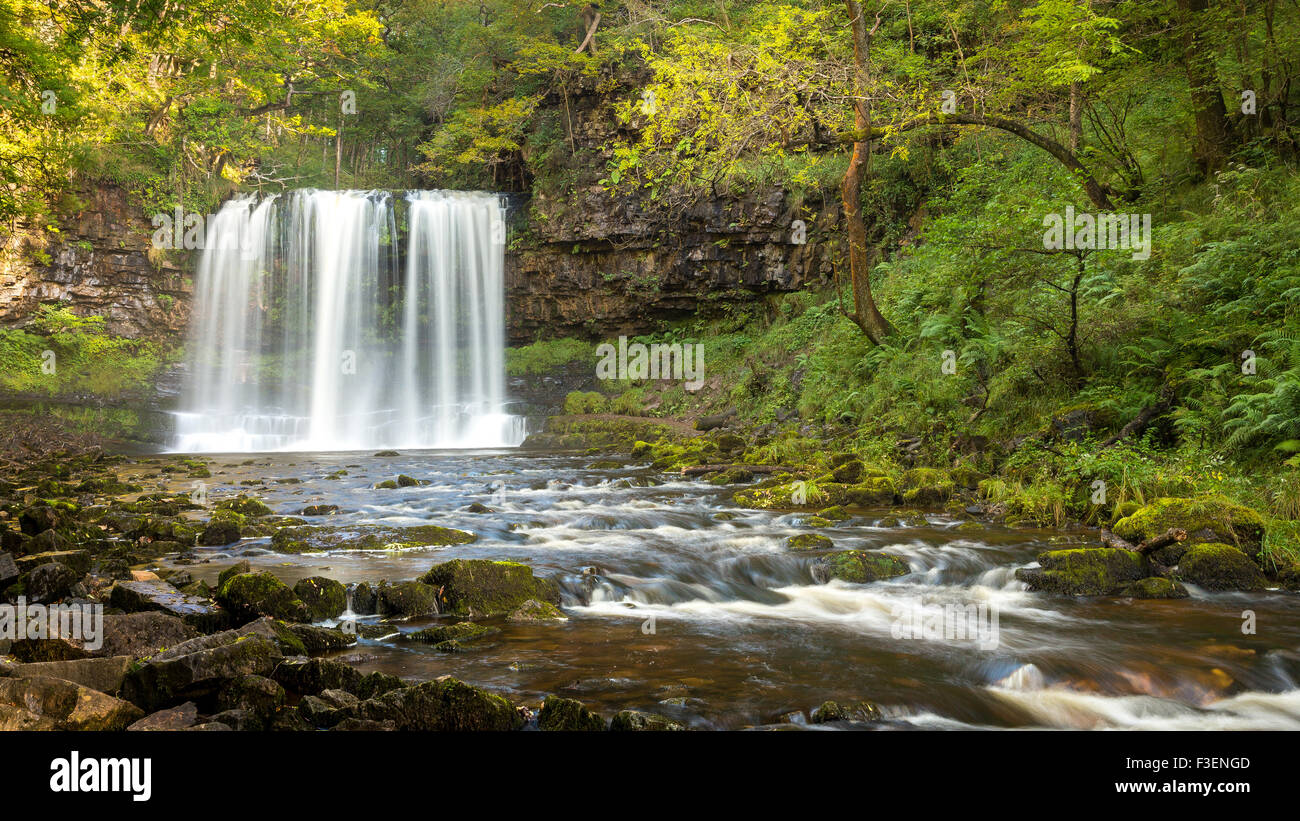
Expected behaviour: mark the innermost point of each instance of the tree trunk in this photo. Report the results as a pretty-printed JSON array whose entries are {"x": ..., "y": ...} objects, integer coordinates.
[
  {"x": 1212, "y": 130},
  {"x": 865, "y": 313},
  {"x": 1076, "y": 116}
]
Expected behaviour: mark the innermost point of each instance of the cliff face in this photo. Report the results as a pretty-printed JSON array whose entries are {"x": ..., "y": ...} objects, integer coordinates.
[
  {"x": 100, "y": 263},
  {"x": 591, "y": 263},
  {"x": 598, "y": 265}
]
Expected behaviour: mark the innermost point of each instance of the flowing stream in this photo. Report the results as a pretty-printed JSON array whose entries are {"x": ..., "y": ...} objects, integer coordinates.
[
  {"x": 683, "y": 604},
  {"x": 337, "y": 320}
]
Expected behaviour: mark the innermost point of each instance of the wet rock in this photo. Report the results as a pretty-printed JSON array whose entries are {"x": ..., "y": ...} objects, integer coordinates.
[
  {"x": 859, "y": 567},
  {"x": 313, "y": 676},
  {"x": 8, "y": 569},
  {"x": 38, "y": 650},
  {"x": 364, "y": 725},
  {"x": 319, "y": 510},
  {"x": 1154, "y": 588},
  {"x": 176, "y": 718},
  {"x": 317, "y": 640},
  {"x": 874, "y": 491},
  {"x": 221, "y": 529},
  {"x": 445, "y": 705},
  {"x": 848, "y": 472},
  {"x": 809, "y": 541},
  {"x": 290, "y": 721},
  {"x": 67, "y": 705},
  {"x": 241, "y": 720},
  {"x": 78, "y": 560},
  {"x": 245, "y": 505},
  {"x": 465, "y": 631},
  {"x": 635, "y": 720},
  {"x": 407, "y": 599},
  {"x": 364, "y": 600},
  {"x": 567, "y": 714},
  {"x": 159, "y": 596},
  {"x": 258, "y": 695},
  {"x": 536, "y": 612},
  {"x": 829, "y": 711},
  {"x": 1217, "y": 566},
  {"x": 1097, "y": 571},
  {"x": 407, "y": 481},
  {"x": 102, "y": 674},
  {"x": 249, "y": 595},
  {"x": 39, "y": 518},
  {"x": 325, "y": 598},
  {"x": 1211, "y": 519},
  {"x": 49, "y": 582},
  {"x": 184, "y": 673},
  {"x": 477, "y": 587},
  {"x": 143, "y": 634},
  {"x": 926, "y": 486}
]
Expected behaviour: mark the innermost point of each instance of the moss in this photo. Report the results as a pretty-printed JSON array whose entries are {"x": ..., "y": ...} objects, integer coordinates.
[
  {"x": 637, "y": 721},
  {"x": 1096, "y": 571},
  {"x": 568, "y": 715},
  {"x": 1217, "y": 566},
  {"x": 249, "y": 595},
  {"x": 860, "y": 566},
  {"x": 818, "y": 521},
  {"x": 465, "y": 631},
  {"x": 536, "y": 612},
  {"x": 407, "y": 599},
  {"x": 325, "y": 598},
  {"x": 223, "y": 528},
  {"x": 809, "y": 541},
  {"x": 848, "y": 472},
  {"x": 387, "y": 484},
  {"x": 479, "y": 587},
  {"x": 245, "y": 505},
  {"x": 835, "y": 513},
  {"x": 874, "y": 491},
  {"x": 1154, "y": 587},
  {"x": 926, "y": 486},
  {"x": 1206, "y": 519}
]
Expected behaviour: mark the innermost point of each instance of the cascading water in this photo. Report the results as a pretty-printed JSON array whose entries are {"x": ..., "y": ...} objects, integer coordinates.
[{"x": 316, "y": 328}]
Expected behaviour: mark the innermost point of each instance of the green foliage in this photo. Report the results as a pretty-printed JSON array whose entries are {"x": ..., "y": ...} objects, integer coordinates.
[{"x": 540, "y": 357}]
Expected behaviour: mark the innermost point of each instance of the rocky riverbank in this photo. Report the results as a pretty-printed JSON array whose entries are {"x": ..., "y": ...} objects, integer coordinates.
[{"x": 248, "y": 650}]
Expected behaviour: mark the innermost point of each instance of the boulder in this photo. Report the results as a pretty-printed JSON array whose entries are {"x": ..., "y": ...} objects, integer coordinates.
[
  {"x": 1206, "y": 519},
  {"x": 78, "y": 560},
  {"x": 67, "y": 705},
  {"x": 809, "y": 541},
  {"x": 859, "y": 566},
  {"x": 49, "y": 582},
  {"x": 102, "y": 674},
  {"x": 1217, "y": 566},
  {"x": 1094, "y": 571},
  {"x": 184, "y": 673},
  {"x": 444, "y": 705},
  {"x": 1154, "y": 587},
  {"x": 536, "y": 612},
  {"x": 407, "y": 599},
  {"x": 569, "y": 715},
  {"x": 143, "y": 634},
  {"x": 637, "y": 721},
  {"x": 175, "y": 718},
  {"x": 926, "y": 486},
  {"x": 258, "y": 695},
  {"x": 325, "y": 598},
  {"x": 465, "y": 631},
  {"x": 161, "y": 597},
  {"x": 249, "y": 595},
  {"x": 313, "y": 676},
  {"x": 477, "y": 588}
]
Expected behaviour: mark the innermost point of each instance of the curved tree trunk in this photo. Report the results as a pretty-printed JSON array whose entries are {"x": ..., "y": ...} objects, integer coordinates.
[{"x": 865, "y": 313}]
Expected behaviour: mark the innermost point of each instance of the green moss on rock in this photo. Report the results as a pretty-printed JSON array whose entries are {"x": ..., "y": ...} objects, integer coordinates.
[
  {"x": 1206, "y": 519},
  {"x": 249, "y": 595},
  {"x": 479, "y": 587},
  {"x": 568, "y": 715},
  {"x": 1217, "y": 566},
  {"x": 1096, "y": 571},
  {"x": 859, "y": 566},
  {"x": 809, "y": 541}
]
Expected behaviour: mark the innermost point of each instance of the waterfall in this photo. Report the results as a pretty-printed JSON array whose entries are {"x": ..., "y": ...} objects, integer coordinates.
[{"x": 318, "y": 328}]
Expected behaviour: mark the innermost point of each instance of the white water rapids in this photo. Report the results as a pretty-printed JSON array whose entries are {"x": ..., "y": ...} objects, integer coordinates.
[{"x": 318, "y": 328}]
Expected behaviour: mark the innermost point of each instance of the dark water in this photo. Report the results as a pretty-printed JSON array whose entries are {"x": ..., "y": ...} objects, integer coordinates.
[{"x": 681, "y": 603}]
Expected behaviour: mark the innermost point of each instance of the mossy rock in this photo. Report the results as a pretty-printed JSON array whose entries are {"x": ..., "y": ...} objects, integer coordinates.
[
  {"x": 859, "y": 567},
  {"x": 729, "y": 442},
  {"x": 875, "y": 491},
  {"x": 407, "y": 481},
  {"x": 966, "y": 476},
  {"x": 848, "y": 472},
  {"x": 1093, "y": 571},
  {"x": 245, "y": 505},
  {"x": 1154, "y": 587},
  {"x": 314, "y": 538},
  {"x": 568, "y": 715},
  {"x": 536, "y": 612},
  {"x": 835, "y": 514},
  {"x": 249, "y": 595},
  {"x": 842, "y": 458},
  {"x": 222, "y": 529},
  {"x": 638, "y": 721},
  {"x": 387, "y": 484},
  {"x": 809, "y": 541},
  {"x": 926, "y": 486},
  {"x": 465, "y": 631},
  {"x": 1217, "y": 566},
  {"x": 407, "y": 599},
  {"x": 479, "y": 587},
  {"x": 1206, "y": 519},
  {"x": 818, "y": 521},
  {"x": 445, "y": 705},
  {"x": 325, "y": 598},
  {"x": 733, "y": 476}
]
